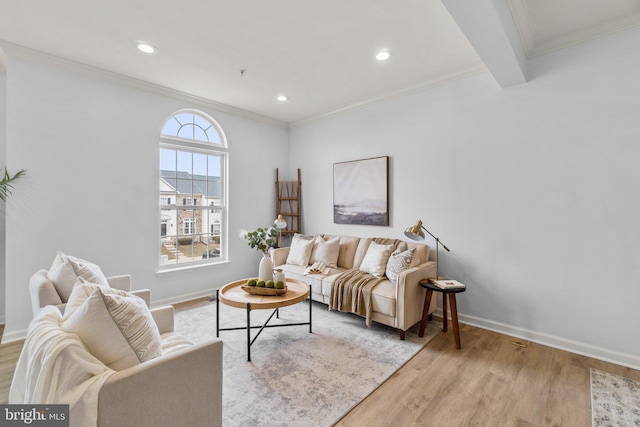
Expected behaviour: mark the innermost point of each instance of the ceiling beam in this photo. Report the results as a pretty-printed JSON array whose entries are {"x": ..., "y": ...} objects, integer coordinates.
[{"x": 491, "y": 30}]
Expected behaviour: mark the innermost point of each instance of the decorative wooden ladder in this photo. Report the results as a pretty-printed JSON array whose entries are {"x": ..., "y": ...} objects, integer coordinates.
[{"x": 289, "y": 204}]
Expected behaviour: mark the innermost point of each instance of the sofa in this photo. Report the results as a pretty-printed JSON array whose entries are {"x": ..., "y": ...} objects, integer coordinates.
[
  {"x": 397, "y": 301},
  {"x": 97, "y": 358}
]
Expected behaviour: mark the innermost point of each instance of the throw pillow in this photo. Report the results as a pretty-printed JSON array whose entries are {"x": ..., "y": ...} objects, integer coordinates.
[
  {"x": 300, "y": 250},
  {"x": 400, "y": 261},
  {"x": 375, "y": 260},
  {"x": 66, "y": 269},
  {"x": 117, "y": 329},
  {"x": 402, "y": 246},
  {"x": 326, "y": 252},
  {"x": 83, "y": 290}
]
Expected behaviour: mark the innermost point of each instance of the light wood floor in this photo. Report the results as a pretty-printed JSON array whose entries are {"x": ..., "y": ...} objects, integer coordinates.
[{"x": 489, "y": 382}]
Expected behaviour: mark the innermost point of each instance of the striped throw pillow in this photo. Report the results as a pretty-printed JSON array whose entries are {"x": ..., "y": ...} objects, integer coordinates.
[{"x": 117, "y": 329}]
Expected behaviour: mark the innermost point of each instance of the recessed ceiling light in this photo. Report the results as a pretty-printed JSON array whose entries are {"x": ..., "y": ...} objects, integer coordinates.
[
  {"x": 146, "y": 47},
  {"x": 282, "y": 98},
  {"x": 383, "y": 55}
]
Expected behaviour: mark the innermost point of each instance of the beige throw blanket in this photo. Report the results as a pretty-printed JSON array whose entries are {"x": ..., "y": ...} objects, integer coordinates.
[
  {"x": 351, "y": 291},
  {"x": 55, "y": 367}
]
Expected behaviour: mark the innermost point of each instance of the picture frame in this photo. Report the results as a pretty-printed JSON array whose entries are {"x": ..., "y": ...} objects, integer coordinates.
[{"x": 361, "y": 192}]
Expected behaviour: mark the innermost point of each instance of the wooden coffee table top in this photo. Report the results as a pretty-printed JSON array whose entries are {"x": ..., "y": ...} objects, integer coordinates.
[{"x": 233, "y": 295}]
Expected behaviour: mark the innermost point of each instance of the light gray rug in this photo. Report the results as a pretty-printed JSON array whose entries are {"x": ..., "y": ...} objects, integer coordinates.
[
  {"x": 296, "y": 378},
  {"x": 615, "y": 401}
]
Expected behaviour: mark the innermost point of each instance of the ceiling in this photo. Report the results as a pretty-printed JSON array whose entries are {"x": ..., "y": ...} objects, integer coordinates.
[{"x": 320, "y": 54}]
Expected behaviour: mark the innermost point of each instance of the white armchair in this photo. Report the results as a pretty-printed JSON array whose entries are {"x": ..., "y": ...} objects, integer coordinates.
[{"x": 182, "y": 386}]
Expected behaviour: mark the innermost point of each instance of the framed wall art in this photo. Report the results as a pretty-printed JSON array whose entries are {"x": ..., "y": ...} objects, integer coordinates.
[{"x": 361, "y": 192}]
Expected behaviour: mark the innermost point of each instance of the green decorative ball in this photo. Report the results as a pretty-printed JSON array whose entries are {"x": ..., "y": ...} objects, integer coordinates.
[{"x": 260, "y": 284}]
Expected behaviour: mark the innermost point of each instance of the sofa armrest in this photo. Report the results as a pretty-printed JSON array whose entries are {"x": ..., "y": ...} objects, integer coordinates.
[
  {"x": 145, "y": 294},
  {"x": 120, "y": 282},
  {"x": 279, "y": 256},
  {"x": 163, "y": 316},
  {"x": 43, "y": 292},
  {"x": 410, "y": 295},
  {"x": 182, "y": 388}
]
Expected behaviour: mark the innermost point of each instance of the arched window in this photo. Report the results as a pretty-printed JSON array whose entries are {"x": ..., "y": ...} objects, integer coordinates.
[{"x": 192, "y": 193}]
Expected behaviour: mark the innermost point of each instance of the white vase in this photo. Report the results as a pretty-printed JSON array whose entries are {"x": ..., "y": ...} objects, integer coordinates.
[{"x": 265, "y": 271}]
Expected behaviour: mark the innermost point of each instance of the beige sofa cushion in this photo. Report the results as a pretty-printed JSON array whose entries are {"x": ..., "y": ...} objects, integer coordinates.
[
  {"x": 361, "y": 251},
  {"x": 348, "y": 246},
  {"x": 383, "y": 298},
  {"x": 422, "y": 251}
]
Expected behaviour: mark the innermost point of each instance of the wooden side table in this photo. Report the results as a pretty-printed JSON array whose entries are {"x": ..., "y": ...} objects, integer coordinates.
[{"x": 451, "y": 293}]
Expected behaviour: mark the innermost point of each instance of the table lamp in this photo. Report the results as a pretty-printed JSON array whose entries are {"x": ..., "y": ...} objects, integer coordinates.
[
  {"x": 280, "y": 224},
  {"x": 415, "y": 233}
]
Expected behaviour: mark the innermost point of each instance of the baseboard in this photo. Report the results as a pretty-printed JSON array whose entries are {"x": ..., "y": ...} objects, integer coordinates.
[
  {"x": 19, "y": 335},
  {"x": 623, "y": 359},
  {"x": 183, "y": 298}
]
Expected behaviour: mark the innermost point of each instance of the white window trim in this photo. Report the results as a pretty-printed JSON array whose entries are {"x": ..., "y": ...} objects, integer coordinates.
[{"x": 177, "y": 143}]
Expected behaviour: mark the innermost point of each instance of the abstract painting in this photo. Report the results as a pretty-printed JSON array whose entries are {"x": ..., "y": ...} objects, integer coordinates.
[{"x": 361, "y": 192}]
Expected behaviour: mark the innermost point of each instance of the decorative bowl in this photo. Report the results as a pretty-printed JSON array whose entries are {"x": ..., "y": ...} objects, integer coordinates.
[{"x": 254, "y": 290}]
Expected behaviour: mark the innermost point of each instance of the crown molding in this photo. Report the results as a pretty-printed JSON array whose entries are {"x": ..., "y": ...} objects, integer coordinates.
[
  {"x": 472, "y": 71},
  {"x": 13, "y": 50},
  {"x": 535, "y": 47}
]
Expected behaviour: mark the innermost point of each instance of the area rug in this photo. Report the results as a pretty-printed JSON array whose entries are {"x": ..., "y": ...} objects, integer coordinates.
[
  {"x": 297, "y": 378},
  {"x": 615, "y": 401}
]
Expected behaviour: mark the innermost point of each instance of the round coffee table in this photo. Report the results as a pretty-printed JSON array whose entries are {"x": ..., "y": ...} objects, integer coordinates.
[{"x": 233, "y": 295}]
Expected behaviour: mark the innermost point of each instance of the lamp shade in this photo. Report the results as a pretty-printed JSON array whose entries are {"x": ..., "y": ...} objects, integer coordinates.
[
  {"x": 415, "y": 232},
  {"x": 280, "y": 222}
]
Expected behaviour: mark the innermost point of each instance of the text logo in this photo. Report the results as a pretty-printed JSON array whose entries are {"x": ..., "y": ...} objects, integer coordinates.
[{"x": 34, "y": 415}]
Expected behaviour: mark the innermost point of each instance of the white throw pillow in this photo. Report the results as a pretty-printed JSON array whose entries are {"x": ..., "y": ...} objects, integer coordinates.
[
  {"x": 83, "y": 290},
  {"x": 117, "y": 329},
  {"x": 326, "y": 252},
  {"x": 66, "y": 269},
  {"x": 300, "y": 250},
  {"x": 400, "y": 261},
  {"x": 375, "y": 260}
]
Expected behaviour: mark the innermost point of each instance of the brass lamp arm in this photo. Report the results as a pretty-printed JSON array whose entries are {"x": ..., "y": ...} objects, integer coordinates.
[{"x": 437, "y": 239}]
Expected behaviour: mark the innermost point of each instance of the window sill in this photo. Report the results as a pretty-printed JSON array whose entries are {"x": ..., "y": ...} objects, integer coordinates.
[{"x": 177, "y": 269}]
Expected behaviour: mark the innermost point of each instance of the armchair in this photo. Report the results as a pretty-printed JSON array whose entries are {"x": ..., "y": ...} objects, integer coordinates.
[{"x": 43, "y": 292}]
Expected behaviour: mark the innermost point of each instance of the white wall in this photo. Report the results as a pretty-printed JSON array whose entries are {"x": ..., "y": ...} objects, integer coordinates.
[
  {"x": 534, "y": 188},
  {"x": 90, "y": 147}
]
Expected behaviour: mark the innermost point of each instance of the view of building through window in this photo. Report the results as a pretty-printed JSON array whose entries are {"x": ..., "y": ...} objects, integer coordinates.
[{"x": 192, "y": 200}]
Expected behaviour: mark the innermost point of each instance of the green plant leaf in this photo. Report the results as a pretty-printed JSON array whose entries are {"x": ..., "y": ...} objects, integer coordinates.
[{"x": 6, "y": 185}]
